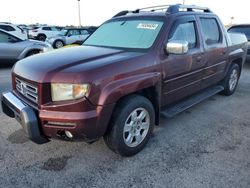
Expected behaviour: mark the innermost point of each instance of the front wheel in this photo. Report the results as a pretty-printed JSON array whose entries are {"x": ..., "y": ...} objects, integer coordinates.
[
  {"x": 131, "y": 126},
  {"x": 58, "y": 44},
  {"x": 231, "y": 80}
]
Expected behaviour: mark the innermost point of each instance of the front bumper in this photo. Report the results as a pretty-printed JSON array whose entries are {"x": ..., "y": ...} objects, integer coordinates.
[
  {"x": 46, "y": 123},
  {"x": 25, "y": 115}
]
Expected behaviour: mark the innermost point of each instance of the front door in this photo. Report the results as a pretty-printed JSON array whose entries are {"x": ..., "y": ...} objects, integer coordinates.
[{"x": 182, "y": 74}]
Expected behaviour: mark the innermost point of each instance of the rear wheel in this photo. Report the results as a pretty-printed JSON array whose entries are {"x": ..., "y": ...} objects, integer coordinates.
[
  {"x": 231, "y": 80},
  {"x": 131, "y": 126}
]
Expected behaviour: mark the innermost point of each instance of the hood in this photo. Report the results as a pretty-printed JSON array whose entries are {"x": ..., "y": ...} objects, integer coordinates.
[{"x": 65, "y": 65}]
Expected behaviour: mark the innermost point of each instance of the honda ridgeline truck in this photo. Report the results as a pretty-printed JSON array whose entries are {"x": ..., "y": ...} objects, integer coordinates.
[{"x": 136, "y": 67}]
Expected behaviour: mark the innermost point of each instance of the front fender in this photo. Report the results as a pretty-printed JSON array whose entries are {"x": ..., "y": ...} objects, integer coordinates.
[
  {"x": 115, "y": 90},
  {"x": 29, "y": 49}
]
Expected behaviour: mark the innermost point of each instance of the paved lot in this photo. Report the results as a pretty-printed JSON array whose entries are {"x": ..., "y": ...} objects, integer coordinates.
[{"x": 206, "y": 146}]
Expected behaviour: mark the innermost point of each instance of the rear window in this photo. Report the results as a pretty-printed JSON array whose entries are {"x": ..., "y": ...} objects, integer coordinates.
[
  {"x": 46, "y": 28},
  {"x": 7, "y": 28},
  {"x": 244, "y": 29},
  {"x": 210, "y": 30}
]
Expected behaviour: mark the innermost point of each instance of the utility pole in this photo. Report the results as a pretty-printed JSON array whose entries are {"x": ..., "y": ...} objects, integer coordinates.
[{"x": 79, "y": 12}]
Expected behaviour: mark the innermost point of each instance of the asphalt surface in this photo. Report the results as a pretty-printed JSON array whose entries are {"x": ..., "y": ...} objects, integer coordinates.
[{"x": 206, "y": 146}]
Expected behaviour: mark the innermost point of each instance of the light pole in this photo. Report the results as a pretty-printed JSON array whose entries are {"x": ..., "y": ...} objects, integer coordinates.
[
  {"x": 79, "y": 12},
  {"x": 183, "y": 2},
  {"x": 232, "y": 18}
]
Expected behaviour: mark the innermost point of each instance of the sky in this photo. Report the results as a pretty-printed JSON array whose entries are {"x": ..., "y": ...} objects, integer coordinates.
[{"x": 95, "y": 12}]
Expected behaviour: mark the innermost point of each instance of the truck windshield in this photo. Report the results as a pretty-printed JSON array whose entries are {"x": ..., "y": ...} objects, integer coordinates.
[{"x": 138, "y": 34}]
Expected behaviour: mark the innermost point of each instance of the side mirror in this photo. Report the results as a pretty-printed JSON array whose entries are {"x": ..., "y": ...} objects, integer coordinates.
[
  {"x": 69, "y": 35},
  {"x": 177, "y": 47}
]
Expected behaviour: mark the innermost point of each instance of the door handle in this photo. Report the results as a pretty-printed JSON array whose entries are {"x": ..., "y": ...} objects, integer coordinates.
[{"x": 198, "y": 59}]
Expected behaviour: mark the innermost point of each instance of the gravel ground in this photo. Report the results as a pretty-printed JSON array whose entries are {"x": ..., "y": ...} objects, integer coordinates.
[{"x": 206, "y": 146}]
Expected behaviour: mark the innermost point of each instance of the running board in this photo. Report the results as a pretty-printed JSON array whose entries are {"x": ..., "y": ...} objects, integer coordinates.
[{"x": 191, "y": 101}]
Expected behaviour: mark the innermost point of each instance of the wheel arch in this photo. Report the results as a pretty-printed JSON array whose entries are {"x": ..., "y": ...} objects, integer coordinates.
[
  {"x": 148, "y": 86},
  {"x": 239, "y": 62}
]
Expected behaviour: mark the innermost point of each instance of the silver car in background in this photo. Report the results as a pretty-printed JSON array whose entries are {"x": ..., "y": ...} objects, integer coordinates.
[
  {"x": 13, "y": 48},
  {"x": 69, "y": 36}
]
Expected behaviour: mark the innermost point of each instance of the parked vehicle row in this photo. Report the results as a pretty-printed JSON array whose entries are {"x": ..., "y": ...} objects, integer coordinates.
[{"x": 137, "y": 66}]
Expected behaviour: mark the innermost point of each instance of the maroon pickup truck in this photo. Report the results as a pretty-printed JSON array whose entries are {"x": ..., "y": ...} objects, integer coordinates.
[{"x": 138, "y": 66}]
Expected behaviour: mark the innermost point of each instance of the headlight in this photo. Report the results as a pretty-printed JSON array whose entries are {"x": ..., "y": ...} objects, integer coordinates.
[
  {"x": 63, "y": 92},
  {"x": 47, "y": 48}
]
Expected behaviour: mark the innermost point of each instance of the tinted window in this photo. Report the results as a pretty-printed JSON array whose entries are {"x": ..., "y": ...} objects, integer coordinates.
[
  {"x": 84, "y": 32},
  {"x": 138, "y": 34},
  {"x": 244, "y": 29},
  {"x": 184, "y": 32},
  {"x": 4, "y": 37},
  {"x": 46, "y": 28},
  {"x": 7, "y": 28},
  {"x": 54, "y": 29},
  {"x": 210, "y": 30}
]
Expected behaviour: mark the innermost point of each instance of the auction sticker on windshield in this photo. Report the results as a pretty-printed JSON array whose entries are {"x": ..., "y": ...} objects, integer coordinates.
[{"x": 147, "y": 26}]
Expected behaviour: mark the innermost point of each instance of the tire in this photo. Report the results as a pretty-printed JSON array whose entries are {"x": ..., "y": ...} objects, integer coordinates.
[
  {"x": 129, "y": 130},
  {"x": 58, "y": 44},
  {"x": 41, "y": 37},
  {"x": 33, "y": 52},
  {"x": 231, "y": 80}
]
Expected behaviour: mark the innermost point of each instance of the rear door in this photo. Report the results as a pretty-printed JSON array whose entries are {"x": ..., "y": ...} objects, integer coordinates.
[
  {"x": 183, "y": 73},
  {"x": 73, "y": 36},
  {"x": 216, "y": 50}
]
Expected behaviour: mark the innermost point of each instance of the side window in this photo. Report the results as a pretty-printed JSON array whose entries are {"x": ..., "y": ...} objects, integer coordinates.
[
  {"x": 184, "y": 32},
  {"x": 5, "y": 38},
  {"x": 73, "y": 32},
  {"x": 84, "y": 32},
  {"x": 46, "y": 28},
  {"x": 7, "y": 28},
  {"x": 210, "y": 30}
]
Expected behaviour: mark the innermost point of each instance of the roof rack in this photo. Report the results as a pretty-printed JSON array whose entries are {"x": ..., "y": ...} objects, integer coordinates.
[{"x": 169, "y": 9}]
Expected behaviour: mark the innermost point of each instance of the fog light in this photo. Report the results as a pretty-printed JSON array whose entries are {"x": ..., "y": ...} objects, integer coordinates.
[
  {"x": 68, "y": 134},
  {"x": 61, "y": 124}
]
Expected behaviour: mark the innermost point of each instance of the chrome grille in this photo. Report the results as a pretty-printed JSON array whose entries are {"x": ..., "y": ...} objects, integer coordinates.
[{"x": 27, "y": 90}]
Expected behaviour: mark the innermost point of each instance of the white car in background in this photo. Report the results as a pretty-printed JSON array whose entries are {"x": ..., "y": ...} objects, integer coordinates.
[
  {"x": 43, "y": 32},
  {"x": 14, "y": 30},
  {"x": 69, "y": 36}
]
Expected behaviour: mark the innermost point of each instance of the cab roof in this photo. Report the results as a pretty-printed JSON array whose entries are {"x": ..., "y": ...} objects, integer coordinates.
[{"x": 164, "y": 10}]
